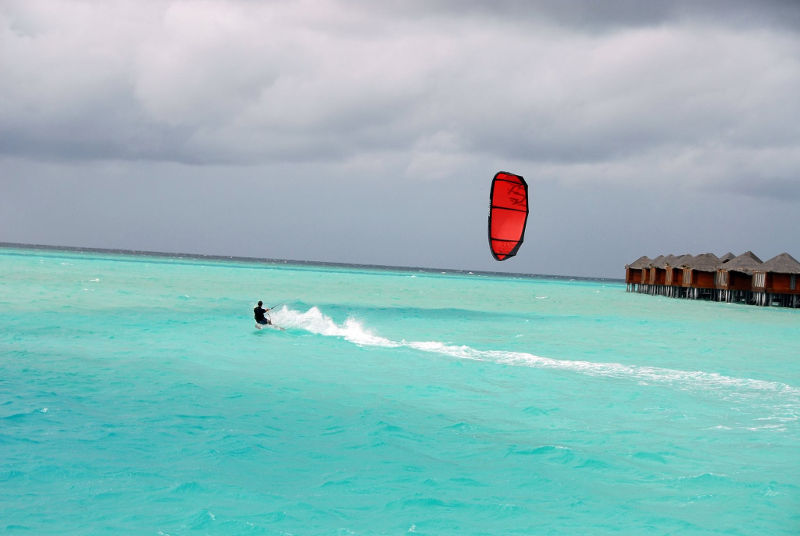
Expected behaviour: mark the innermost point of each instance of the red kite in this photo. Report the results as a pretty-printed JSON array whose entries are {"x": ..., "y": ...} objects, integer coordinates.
[{"x": 508, "y": 214}]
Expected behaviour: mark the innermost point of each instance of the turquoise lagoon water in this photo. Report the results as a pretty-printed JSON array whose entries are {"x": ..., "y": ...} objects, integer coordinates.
[{"x": 136, "y": 397}]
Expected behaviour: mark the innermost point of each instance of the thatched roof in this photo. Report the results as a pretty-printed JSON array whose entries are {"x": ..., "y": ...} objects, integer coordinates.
[
  {"x": 642, "y": 262},
  {"x": 781, "y": 264},
  {"x": 746, "y": 263},
  {"x": 668, "y": 261},
  {"x": 658, "y": 262},
  {"x": 680, "y": 262},
  {"x": 705, "y": 262}
]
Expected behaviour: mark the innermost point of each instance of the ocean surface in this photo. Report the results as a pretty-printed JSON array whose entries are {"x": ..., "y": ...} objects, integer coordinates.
[{"x": 137, "y": 397}]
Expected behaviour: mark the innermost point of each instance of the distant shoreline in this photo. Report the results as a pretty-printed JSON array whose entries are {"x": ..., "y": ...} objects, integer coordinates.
[{"x": 199, "y": 256}]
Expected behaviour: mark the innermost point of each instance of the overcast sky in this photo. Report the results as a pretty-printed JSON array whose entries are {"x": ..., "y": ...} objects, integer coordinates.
[{"x": 368, "y": 132}]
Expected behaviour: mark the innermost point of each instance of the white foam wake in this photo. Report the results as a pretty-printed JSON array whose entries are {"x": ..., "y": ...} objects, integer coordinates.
[
  {"x": 315, "y": 322},
  {"x": 353, "y": 331}
]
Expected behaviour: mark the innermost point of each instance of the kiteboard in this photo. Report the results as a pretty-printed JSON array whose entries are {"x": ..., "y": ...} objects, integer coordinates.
[{"x": 270, "y": 326}]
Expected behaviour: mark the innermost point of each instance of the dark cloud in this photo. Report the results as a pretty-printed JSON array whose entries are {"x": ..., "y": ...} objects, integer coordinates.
[
  {"x": 611, "y": 15},
  {"x": 784, "y": 189},
  {"x": 238, "y": 82}
]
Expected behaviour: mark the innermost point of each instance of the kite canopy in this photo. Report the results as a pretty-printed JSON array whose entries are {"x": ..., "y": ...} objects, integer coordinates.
[{"x": 508, "y": 214}]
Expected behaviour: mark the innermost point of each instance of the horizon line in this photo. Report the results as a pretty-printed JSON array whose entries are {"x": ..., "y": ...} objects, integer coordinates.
[{"x": 184, "y": 255}]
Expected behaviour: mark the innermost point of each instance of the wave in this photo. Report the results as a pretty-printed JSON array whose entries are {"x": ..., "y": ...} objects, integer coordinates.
[{"x": 314, "y": 321}]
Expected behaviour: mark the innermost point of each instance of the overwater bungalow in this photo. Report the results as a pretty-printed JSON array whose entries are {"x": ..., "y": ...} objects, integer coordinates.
[
  {"x": 776, "y": 281},
  {"x": 699, "y": 274},
  {"x": 744, "y": 278},
  {"x": 654, "y": 270},
  {"x": 674, "y": 274},
  {"x": 636, "y": 273},
  {"x": 660, "y": 270},
  {"x": 734, "y": 280}
]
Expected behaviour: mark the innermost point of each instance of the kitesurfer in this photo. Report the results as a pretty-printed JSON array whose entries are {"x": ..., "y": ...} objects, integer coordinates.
[{"x": 259, "y": 314}]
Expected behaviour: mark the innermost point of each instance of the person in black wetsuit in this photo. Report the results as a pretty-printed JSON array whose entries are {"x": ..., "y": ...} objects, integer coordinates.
[{"x": 259, "y": 314}]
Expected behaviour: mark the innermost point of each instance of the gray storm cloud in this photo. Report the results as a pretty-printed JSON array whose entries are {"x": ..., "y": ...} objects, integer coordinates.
[{"x": 250, "y": 83}]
